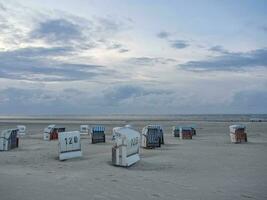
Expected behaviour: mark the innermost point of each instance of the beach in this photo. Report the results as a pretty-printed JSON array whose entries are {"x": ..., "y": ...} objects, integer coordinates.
[{"x": 207, "y": 167}]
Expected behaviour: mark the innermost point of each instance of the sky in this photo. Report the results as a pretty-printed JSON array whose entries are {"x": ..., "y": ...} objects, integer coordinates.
[{"x": 91, "y": 57}]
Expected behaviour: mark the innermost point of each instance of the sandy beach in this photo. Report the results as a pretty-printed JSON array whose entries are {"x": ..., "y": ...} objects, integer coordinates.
[{"x": 207, "y": 167}]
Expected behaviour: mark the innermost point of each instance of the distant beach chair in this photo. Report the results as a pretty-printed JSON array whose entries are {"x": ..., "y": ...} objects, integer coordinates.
[
  {"x": 176, "y": 130},
  {"x": 21, "y": 129},
  {"x": 52, "y": 131},
  {"x": 98, "y": 134},
  {"x": 84, "y": 129},
  {"x": 186, "y": 133},
  {"x": 9, "y": 139},
  {"x": 256, "y": 120},
  {"x": 238, "y": 134},
  {"x": 152, "y": 136}
]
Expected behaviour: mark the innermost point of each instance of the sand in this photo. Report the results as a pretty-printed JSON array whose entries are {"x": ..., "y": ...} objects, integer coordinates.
[{"x": 207, "y": 167}]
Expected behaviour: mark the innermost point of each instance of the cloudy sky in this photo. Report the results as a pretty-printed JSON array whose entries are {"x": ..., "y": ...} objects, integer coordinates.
[{"x": 139, "y": 57}]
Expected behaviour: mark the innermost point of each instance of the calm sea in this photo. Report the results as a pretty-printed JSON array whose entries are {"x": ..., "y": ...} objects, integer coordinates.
[{"x": 213, "y": 117}]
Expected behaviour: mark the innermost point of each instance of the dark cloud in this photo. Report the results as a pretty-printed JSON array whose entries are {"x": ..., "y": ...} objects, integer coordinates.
[
  {"x": 122, "y": 99},
  {"x": 179, "y": 44},
  {"x": 163, "y": 34},
  {"x": 150, "y": 60},
  {"x": 218, "y": 49},
  {"x": 37, "y": 64},
  {"x": 124, "y": 92},
  {"x": 115, "y": 46},
  {"x": 2, "y": 7},
  {"x": 37, "y": 101},
  {"x": 230, "y": 61},
  {"x": 113, "y": 99},
  {"x": 119, "y": 47},
  {"x": 37, "y": 52},
  {"x": 143, "y": 60},
  {"x": 124, "y": 50},
  {"x": 57, "y": 30},
  {"x": 117, "y": 94}
]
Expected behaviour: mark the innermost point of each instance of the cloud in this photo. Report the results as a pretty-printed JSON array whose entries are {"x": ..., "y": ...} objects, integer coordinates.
[
  {"x": 2, "y": 7},
  {"x": 163, "y": 34},
  {"x": 37, "y": 64},
  {"x": 79, "y": 32},
  {"x": 22, "y": 26},
  {"x": 26, "y": 27},
  {"x": 11, "y": 34},
  {"x": 218, "y": 49},
  {"x": 127, "y": 98},
  {"x": 36, "y": 101},
  {"x": 150, "y": 60},
  {"x": 115, "y": 46},
  {"x": 124, "y": 92},
  {"x": 37, "y": 52},
  {"x": 250, "y": 101},
  {"x": 230, "y": 61},
  {"x": 113, "y": 99},
  {"x": 110, "y": 25},
  {"x": 179, "y": 44},
  {"x": 57, "y": 30},
  {"x": 124, "y": 50},
  {"x": 119, "y": 47},
  {"x": 121, "y": 93},
  {"x": 59, "y": 36}
]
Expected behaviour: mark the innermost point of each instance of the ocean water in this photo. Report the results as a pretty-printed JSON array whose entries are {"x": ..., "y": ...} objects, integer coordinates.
[
  {"x": 203, "y": 123},
  {"x": 209, "y": 117}
]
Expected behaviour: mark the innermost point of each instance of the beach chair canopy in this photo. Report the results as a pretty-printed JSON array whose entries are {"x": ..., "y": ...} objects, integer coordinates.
[
  {"x": 176, "y": 128},
  {"x": 98, "y": 129},
  {"x": 186, "y": 128},
  {"x": 235, "y": 127},
  {"x": 21, "y": 128},
  {"x": 153, "y": 126}
]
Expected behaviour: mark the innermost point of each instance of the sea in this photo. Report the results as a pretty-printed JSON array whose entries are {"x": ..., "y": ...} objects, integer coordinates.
[{"x": 120, "y": 117}]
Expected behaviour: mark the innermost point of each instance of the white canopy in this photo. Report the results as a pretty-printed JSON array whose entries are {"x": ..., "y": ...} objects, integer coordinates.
[{"x": 235, "y": 127}]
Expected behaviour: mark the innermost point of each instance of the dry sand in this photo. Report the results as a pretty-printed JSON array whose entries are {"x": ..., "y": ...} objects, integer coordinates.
[{"x": 207, "y": 167}]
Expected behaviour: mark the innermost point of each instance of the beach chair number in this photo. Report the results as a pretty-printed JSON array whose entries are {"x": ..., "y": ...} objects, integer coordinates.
[
  {"x": 134, "y": 141},
  {"x": 75, "y": 140}
]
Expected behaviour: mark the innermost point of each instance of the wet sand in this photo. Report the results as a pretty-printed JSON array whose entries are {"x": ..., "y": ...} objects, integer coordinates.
[{"x": 207, "y": 167}]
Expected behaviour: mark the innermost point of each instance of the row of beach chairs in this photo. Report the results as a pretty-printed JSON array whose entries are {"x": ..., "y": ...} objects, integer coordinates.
[{"x": 152, "y": 136}]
